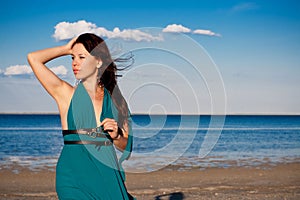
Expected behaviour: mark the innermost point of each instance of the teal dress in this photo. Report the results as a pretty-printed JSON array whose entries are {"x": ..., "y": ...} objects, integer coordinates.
[{"x": 89, "y": 171}]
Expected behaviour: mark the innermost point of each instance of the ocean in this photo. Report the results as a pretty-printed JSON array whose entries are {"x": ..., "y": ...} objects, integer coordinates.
[{"x": 181, "y": 142}]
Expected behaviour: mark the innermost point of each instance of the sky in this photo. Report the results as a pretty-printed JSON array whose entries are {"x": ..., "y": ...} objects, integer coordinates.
[{"x": 191, "y": 57}]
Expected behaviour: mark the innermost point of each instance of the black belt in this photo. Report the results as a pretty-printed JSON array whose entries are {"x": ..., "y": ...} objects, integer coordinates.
[
  {"x": 97, "y": 143},
  {"x": 92, "y": 132}
]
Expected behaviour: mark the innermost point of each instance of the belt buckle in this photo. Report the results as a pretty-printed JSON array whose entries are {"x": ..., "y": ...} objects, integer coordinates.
[
  {"x": 99, "y": 129},
  {"x": 92, "y": 134}
]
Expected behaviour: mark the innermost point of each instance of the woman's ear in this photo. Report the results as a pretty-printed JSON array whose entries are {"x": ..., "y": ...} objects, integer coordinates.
[{"x": 99, "y": 64}]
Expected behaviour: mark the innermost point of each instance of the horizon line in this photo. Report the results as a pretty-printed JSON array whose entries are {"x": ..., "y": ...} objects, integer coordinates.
[{"x": 140, "y": 113}]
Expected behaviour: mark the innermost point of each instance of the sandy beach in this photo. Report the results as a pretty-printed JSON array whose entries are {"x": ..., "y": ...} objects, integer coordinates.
[{"x": 263, "y": 182}]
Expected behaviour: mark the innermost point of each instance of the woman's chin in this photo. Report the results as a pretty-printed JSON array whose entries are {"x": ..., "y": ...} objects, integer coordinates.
[{"x": 78, "y": 77}]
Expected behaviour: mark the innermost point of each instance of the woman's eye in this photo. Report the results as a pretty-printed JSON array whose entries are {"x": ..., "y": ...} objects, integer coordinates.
[
  {"x": 72, "y": 57},
  {"x": 82, "y": 57}
]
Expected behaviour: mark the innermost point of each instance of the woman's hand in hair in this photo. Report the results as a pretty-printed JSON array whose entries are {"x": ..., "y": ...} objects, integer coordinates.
[{"x": 70, "y": 44}]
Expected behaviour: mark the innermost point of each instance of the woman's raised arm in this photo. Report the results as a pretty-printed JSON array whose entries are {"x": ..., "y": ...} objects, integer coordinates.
[{"x": 50, "y": 81}]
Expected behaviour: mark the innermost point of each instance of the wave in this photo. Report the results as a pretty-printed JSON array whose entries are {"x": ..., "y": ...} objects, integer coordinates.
[
  {"x": 30, "y": 129},
  {"x": 137, "y": 162},
  {"x": 161, "y": 129},
  {"x": 219, "y": 129}
]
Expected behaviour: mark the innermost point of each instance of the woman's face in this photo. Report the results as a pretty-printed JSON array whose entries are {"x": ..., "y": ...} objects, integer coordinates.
[{"x": 84, "y": 65}]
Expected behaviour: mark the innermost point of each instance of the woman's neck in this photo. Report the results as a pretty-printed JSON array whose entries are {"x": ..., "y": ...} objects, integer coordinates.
[{"x": 93, "y": 88}]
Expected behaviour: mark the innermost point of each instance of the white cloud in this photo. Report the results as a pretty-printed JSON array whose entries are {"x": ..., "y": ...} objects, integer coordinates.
[
  {"x": 17, "y": 70},
  {"x": 206, "y": 32},
  {"x": 176, "y": 28},
  {"x": 59, "y": 70},
  {"x": 137, "y": 35},
  {"x": 26, "y": 70},
  {"x": 67, "y": 30}
]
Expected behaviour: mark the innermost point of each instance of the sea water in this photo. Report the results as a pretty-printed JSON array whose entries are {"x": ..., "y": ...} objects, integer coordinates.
[{"x": 181, "y": 142}]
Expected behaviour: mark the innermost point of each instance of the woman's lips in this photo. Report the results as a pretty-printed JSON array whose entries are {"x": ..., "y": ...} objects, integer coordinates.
[{"x": 75, "y": 71}]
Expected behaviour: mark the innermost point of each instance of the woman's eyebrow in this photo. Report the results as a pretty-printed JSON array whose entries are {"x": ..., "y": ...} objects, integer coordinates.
[{"x": 80, "y": 54}]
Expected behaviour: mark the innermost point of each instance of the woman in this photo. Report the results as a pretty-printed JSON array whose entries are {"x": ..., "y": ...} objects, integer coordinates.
[{"x": 94, "y": 117}]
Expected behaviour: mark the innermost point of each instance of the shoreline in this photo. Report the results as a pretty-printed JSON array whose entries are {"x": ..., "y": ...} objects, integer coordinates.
[{"x": 265, "y": 182}]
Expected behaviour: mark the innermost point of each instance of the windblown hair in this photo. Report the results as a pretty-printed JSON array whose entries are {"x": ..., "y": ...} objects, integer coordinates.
[{"x": 107, "y": 76}]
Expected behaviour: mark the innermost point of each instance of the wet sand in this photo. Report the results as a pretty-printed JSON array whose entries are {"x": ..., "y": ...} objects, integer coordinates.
[{"x": 266, "y": 182}]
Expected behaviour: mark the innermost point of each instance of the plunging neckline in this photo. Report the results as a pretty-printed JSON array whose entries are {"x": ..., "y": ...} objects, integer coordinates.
[{"x": 92, "y": 104}]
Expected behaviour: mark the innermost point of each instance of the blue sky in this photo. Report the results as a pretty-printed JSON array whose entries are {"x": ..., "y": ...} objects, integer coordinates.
[{"x": 255, "y": 46}]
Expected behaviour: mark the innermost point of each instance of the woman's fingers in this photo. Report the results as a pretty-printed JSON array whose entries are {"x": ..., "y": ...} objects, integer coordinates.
[
  {"x": 111, "y": 126},
  {"x": 70, "y": 44}
]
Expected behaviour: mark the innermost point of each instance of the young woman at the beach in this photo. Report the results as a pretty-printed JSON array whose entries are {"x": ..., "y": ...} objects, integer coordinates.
[{"x": 94, "y": 117}]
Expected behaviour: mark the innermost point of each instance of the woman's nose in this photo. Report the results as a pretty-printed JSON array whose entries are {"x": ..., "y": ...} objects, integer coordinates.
[{"x": 74, "y": 62}]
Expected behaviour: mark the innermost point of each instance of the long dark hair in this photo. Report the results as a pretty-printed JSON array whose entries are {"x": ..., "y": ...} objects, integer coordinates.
[{"x": 107, "y": 76}]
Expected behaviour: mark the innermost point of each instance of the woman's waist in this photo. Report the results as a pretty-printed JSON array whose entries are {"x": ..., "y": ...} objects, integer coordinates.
[{"x": 91, "y": 134}]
